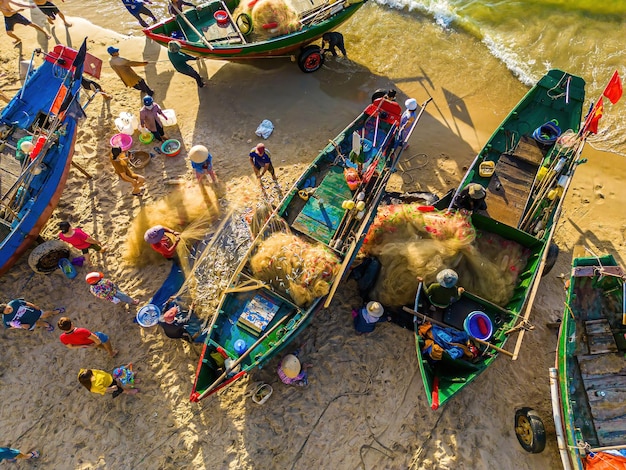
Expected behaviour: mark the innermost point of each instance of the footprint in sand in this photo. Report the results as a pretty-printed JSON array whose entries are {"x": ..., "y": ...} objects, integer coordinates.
[{"x": 599, "y": 194}]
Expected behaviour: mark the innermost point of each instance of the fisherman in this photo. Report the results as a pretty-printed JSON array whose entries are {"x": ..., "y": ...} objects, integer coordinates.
[
  {"x": 124, "y": 69},
  {"x": 179, "y": 61},
  {"x": 13, "y": 17},
  {"x": 445, "y": 291},
  {"x": 149, "y": 118},
  {"x": 261, "y": 162},
  {"x": 365, "y": 318},
  {"x": 202, "y": 163},
  {"x": 91, "y": 85},
  {"x": 334, "y": 39},
  {"x": 138, "y": 8},
  {"x": 180, "y": 324},
  {"x": 106, "y": 289},
  {"x": 472, "y": 198},
  {"x": 51, "y": 11},
  {"x": 408, "y": 117},
  {"x": 291, "y": 372},
  {"x": 176, "y": 6},
  {"x": 160, "y": 240}
]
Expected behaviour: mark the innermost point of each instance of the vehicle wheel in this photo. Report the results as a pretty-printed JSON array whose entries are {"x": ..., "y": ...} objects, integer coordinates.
[
  {"x": 44, "y": 259},
  {"x": 529, "y": 430},
  {"x": 553, "y": 254},
  {"x": 310, "y": 59},
  {"x": 244, "y": 23},
  {"x": 379, "y": 93}
]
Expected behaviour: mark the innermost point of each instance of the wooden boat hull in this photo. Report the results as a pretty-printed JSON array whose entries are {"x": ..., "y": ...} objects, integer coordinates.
[
  {"x": 591, "y": 370},
  {"x": 509, "y": 201},
  {"x": 313, "y": 210},
  {"x": 45, "y": 189},
  {"x": 202, "y": 18}
]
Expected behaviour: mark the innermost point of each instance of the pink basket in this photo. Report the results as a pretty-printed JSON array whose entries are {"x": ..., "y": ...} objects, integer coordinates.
[{"x": 124, "y": 141}]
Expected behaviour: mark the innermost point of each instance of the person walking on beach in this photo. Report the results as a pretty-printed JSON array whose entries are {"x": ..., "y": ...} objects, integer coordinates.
[
  {"x": 13, "y": 17},
  {"x": 149, "y": 118},
  {"x": 261, "y": 162},
  {"x": 333, "y": 39},
  {"x": 179, "y": 61},
  {"x": 175, "y": 6},
  {"x": 106, "y": 289},
  {"x": 119, "y": 160},
  {"x": 138, "y": 8},
  {"x": 23, "y": 315},
  {"x": 163, "y": 240},
  {"x": 51, "y": 11},
  {"x": 202, "y": 163},
  {"x": 11, "y": 455},
  {"x": 99, "y": 381},
  {"x": 79, "y": 240},
  {"x": 124, "y": 69},
  {"x": 74, "y": 337}
]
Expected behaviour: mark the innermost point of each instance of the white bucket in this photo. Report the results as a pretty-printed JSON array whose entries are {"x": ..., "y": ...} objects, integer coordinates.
[
  {"x": 127, "y": 123},
  {"x": 170, "y": 118}
]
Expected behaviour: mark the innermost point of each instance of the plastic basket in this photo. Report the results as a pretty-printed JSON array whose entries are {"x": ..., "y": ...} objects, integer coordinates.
[
  {"x": 124, "y": 141},
  {"x": 262, "y": 393},
  {"x": 472, "y": 325}
]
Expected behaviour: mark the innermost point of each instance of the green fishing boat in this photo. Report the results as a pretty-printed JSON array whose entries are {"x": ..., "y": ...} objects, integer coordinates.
[
  {"x": 302, "y": 251},
  {"x": 588, "y": 382},
  {"x": 234, "y": 30},
  {"x": 524, "y": 171}
]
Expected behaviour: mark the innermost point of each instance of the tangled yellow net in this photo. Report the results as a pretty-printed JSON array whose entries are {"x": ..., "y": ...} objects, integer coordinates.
[
  {"x": 270, "y": 18},
  {"x": 295, "y": 268},
  {"x": 411, "y": 240}
]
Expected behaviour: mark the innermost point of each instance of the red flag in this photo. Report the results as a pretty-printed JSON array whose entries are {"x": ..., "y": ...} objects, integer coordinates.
[
  {"x": 594, "y": 117},
  {"x": 613, "y": 90}
]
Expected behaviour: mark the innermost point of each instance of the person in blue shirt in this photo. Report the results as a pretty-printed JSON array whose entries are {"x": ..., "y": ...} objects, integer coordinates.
[
  {"x": 138, "y": 8},
  {"x": 202, "y": 163},
  {"x": 11, "y": 455},
  {"x": 261, "y": 162},
  {"x": 408, "y": 117}
]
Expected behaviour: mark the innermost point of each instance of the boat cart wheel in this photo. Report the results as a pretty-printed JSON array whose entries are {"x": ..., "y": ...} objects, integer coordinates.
[
  {"x": 529, "y": 430},
  {"x": 44, "y": 259},
  {"x": 553, "y": 254},
  {"x": 244, "y": 23},
  {"x": 310, "y": 59}
]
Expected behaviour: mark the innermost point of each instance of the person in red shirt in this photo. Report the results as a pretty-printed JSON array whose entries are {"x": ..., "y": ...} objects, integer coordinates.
[
  {"x": 162, "y": 240},
  {"x": 73, "y": 337},
  {"x": 79, "y": 240}
]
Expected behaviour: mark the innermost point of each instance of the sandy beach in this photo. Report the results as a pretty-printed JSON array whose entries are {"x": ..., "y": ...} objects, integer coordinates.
[{"x": 365, "y": 406}]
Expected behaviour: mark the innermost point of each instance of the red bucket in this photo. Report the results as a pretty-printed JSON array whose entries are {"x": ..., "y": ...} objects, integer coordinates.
[{"x": 221, "y": 17}]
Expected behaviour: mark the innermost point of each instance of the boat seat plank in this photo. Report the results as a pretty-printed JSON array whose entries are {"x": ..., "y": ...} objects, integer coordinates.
[
  {"x": 591, "y": 271},
  {"x": 508, "y": 189},
  {"x": 602, "y": 364},
  {"x": 529, "y": 150},
  {"x": 600, "y": 337}
]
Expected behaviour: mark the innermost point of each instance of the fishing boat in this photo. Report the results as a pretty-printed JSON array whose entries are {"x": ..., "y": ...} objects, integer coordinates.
[
  {"x": 303, "y": 249},
  {"x": 589, "y": 379},
  {"x": 38, "y": 127},
  {"x": 524, "y": 170},
  {"x": 234, "y": 30}
]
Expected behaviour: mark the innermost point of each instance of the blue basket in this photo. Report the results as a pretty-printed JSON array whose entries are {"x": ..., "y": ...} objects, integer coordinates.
[{"x": 472, "y": 328}]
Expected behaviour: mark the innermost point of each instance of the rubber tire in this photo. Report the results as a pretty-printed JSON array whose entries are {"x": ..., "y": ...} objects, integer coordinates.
[
  {"x": 379, "y": 93},
  {"x": 530, "y": 431},
  {"x": 44, "y": 259},
  {"x": 310, "y": 59},
  {"x": 553, "y": 254},
  {"x": 245, "y": 20}
]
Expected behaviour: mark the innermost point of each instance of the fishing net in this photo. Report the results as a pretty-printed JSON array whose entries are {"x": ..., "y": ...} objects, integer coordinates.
[
  {"x": 411, "y": 240},
  {"x": 270, "y": 17},
  {"x": 294, "y": 267},
  {"x": 190, "y": 211}
]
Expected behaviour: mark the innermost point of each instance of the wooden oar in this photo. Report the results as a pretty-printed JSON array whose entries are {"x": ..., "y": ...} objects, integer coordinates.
[
  {"x": 241, "y": 358},
  {"x": 444, "y": 325},
  {"x": 81, "y": 169}
]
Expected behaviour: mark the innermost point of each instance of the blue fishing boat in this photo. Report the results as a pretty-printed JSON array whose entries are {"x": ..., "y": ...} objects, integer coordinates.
[
  {"x": 302, "y": 251},
  {"x": 38, "y": 127}
]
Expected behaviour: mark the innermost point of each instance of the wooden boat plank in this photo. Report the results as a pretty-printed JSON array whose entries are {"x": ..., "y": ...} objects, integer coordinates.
[
  {"x": 529, "y": 150},
  {"x": 590, "y": 271},
  {"x": 592, "y": 365},
  {"x": 507, "y": 192}
]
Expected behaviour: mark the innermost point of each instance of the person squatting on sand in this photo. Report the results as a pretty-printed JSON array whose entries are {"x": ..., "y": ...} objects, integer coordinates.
[
  {"x": 13, "y": 17},
  {"x": 365, "y": 318},
  {"x": 51, "y": 11},
  {"x": 74, "y": 337},
  {"x": 291, "y": 372},
  {"x": 23, "y": 315},
  {"x": 202, "y": 163},
  {"x": 106, "y": 289},
  {"x": 99, "y": 381},
  {"x": 124, "y": 69},
  {"x": 119, "y": 160},
  {"x": 149, "y": 118},
  {"x": 160, "y": 240},
  {"x": 79, "y": 240},
  {"x": 138, "y": 8},
  {"x": 179, "y": 61},
  {"x": 261, "y": 162},
  {"x": 11, "y": 455}
]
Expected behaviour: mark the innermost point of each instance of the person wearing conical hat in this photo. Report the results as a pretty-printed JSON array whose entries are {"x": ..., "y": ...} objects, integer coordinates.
[
  {"x": 291, "y": 372},
  {"x": 202, "y": 163},
  {"x": 445, "y": 291},
  {"x": 365, "y": 319},
  {"x": 472, "y": 198}
]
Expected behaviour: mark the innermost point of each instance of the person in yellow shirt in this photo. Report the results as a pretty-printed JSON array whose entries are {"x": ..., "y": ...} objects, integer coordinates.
[
  {"x": 99, "y": 381},
  {"x": 124, "y": 69}
]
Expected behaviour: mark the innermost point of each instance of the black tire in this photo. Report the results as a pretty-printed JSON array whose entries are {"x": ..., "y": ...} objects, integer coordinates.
[
  {"x": 379, "y": 93},
  {"x": 553, "y": 254},
  {"x": 530, "y": 431},
  {"x": 244, "y": 23},
  {"x": 44, "y": 259},
  {"x": 310, "y": 59}
]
